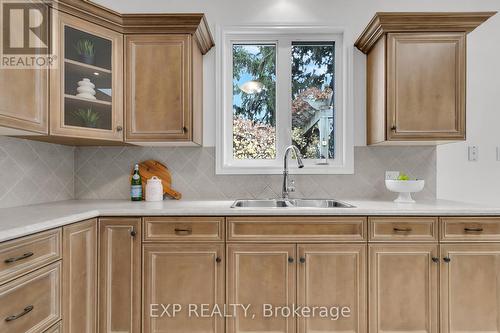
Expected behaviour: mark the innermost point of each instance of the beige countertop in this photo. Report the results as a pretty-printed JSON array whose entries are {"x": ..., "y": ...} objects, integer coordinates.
[{"x": 21, "y": 221}]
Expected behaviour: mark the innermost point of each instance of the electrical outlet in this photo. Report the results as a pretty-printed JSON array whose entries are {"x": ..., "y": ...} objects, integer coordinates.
[
  {"x": 473, "y": 152},
  {"x": 391, "y": 175}
]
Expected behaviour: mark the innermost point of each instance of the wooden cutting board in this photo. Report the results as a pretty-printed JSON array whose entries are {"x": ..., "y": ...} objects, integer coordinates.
[{"x": 150, "y": 168}]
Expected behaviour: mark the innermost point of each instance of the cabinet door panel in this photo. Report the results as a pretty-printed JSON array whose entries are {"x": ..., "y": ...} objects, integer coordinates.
[
  {"x": 182, "y": 274},
  {"x": 261, "y": 274},
  {"x": 82, "y": 116},
  {"x": 158, "y": 81},
  {"x": 470, "y": 288},
  {"x": 80, "y": 277},
  {"x": 426, "y": 86},
  {"x": 403, "y": 286},
  {"x": 119, "y": 275},
  {"x": 332, "y": 276}
]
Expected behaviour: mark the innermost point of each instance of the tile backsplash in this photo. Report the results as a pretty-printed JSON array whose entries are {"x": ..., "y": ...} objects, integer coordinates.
[
  {"x": 103, "y": 173},
  {"x": 34, "y": 172}
]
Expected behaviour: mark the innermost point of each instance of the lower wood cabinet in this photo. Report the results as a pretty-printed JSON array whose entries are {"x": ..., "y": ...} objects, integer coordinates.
[
  {"x": 184, "y": 274},
  {"x": 332, "y": 275},
  {"x": 119, "y": 275},
  {"x": 403, "y": 288},
  {"x": 80, "y": 277},
  {"x": 470, "y": 288},
  {"x": 259, "y": 274}
]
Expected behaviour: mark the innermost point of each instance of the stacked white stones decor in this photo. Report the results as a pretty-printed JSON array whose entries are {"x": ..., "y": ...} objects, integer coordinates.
[{"x": 86, "y": 89}]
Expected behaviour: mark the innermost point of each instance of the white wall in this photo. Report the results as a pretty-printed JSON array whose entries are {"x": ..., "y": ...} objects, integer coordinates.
[{"x": 457, "y": 178}]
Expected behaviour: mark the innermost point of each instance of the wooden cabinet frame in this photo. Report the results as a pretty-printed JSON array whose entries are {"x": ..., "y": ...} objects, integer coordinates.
[{"x": 57, "y": 125}]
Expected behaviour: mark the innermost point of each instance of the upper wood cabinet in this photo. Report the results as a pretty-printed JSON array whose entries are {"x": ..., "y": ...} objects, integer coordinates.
[
  {"x": 86, "y": 92},
  {"x": 416, "y": 76},
  {"x": 24, "y": 101},
  {"x": 163, "y": 75}
]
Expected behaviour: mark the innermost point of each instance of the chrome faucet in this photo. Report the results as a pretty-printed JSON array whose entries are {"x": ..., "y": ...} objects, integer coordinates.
[{"x": 289, "y": 184}]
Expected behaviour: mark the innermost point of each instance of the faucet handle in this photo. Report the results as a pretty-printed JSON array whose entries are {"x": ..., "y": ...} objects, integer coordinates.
[{"x": 291, "y": 186}]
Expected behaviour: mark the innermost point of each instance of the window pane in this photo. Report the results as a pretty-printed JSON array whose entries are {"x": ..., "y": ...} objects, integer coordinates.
[
  {"x": 313, "y": 71},
  {"x": 254, "y": 101}
]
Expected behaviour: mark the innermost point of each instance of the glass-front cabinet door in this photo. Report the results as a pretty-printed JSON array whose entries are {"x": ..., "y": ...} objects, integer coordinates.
[{"x": 86, "y": 87}]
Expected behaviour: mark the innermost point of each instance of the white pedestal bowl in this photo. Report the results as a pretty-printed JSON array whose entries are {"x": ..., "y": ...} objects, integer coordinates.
[{"x": 405, "y": 188}]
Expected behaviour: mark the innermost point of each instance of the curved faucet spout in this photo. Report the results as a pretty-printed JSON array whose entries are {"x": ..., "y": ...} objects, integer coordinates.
[{"x": 289, "y": 185}]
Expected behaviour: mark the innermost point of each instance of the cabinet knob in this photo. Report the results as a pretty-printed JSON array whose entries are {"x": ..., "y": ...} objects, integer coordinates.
[
  {"x": 184, "y": 129},
  {"x": 435, "y": 259},
  {"x": 119, "y": 128},
  {"x": 394, "y": 128},
  {"x": 302, "y": 260},
  {"x": 133, "y": 233},
  {"x": 447, "y": 259},
  {"x": 290, "y": 259},
  {"x": 218, "y": 259}
]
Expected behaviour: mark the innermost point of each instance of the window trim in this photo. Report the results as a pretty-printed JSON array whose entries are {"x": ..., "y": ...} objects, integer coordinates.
[{"x": 227, "y": 36}]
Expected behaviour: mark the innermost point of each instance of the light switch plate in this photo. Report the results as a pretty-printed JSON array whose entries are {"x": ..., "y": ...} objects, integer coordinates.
[
  {"x": 473, "y": 153},
  {"x": 391, "y": 175}
]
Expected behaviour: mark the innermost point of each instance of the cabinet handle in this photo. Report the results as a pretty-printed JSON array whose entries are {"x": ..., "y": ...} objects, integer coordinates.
[
  {"x": 435, "y": 259},
  {"x": 133, "y": 233},
  {"x": 218, "y": 259},
  {"x": 183, "y": 231},
  {"x": 290, "y": 260},
  {"x": 447, "y": 259},
  {"x": 119, "y": 128},
  {"x": 302, "y": 260},
  {"x": 184, "y": 129},
  {"x": 21, "y": 257},
  {"x": 26, "y": 310},
  {"x": 393, "y": 128},
  {"x": 396, "y": 229},
  {"x": 473, "y": 229}
]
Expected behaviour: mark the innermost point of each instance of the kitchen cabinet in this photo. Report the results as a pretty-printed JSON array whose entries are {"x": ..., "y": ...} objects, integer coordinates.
[
  {"x": 332, "y": 275},
  {"x": 79, "y": 285},
  {"x": 182, "y": 274},
  {"x": 24, "y": 96},
  {"x": 403, "y": 288},
  {"x": 259, "y": 274},
  {"x": 119, "y": 275},
  {"x": 416, "y": 76},
  {"x": 163, "y": 75},
  {"x": 470, "y": 288},
  {"x": 86, "y": 89}
]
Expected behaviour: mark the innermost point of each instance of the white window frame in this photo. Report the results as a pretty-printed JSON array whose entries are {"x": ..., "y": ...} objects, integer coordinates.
[{"x": 343, "y": 163}]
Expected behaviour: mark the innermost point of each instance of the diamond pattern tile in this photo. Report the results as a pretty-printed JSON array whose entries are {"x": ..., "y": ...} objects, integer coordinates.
[
  {"x": 34, "y": 172},
  {"x": 102, "y": 173}
]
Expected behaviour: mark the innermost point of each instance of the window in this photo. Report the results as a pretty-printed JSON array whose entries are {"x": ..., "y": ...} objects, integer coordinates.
[{"x": 280, "y": 87}]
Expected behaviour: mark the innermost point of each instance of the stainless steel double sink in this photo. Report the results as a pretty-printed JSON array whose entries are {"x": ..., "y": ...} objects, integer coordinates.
[{"x": 290, "y": 203}]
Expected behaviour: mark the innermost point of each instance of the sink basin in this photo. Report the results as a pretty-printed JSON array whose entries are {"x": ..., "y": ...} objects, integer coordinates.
[{"x": 290, "y": 203}]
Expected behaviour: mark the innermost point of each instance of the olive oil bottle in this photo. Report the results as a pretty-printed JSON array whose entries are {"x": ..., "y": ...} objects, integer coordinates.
[{"x": 136, "y": 185}]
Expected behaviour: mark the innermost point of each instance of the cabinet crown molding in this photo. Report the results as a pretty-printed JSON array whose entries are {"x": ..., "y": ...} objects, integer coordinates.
[
  {"x": 385, "y": 22},
  {"x": 148, "y": 23}
]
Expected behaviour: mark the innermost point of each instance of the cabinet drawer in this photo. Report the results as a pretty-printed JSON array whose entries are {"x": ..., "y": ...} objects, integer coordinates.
[
  {"x": 394, "y": 229},
  {"x": 296, "y": 229},
  {"x": 31, "y": 304},
  {"x": 26, "y": 254},
  {"x": 183, "y": 229},
  {"x": 470, "y": 229}
]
